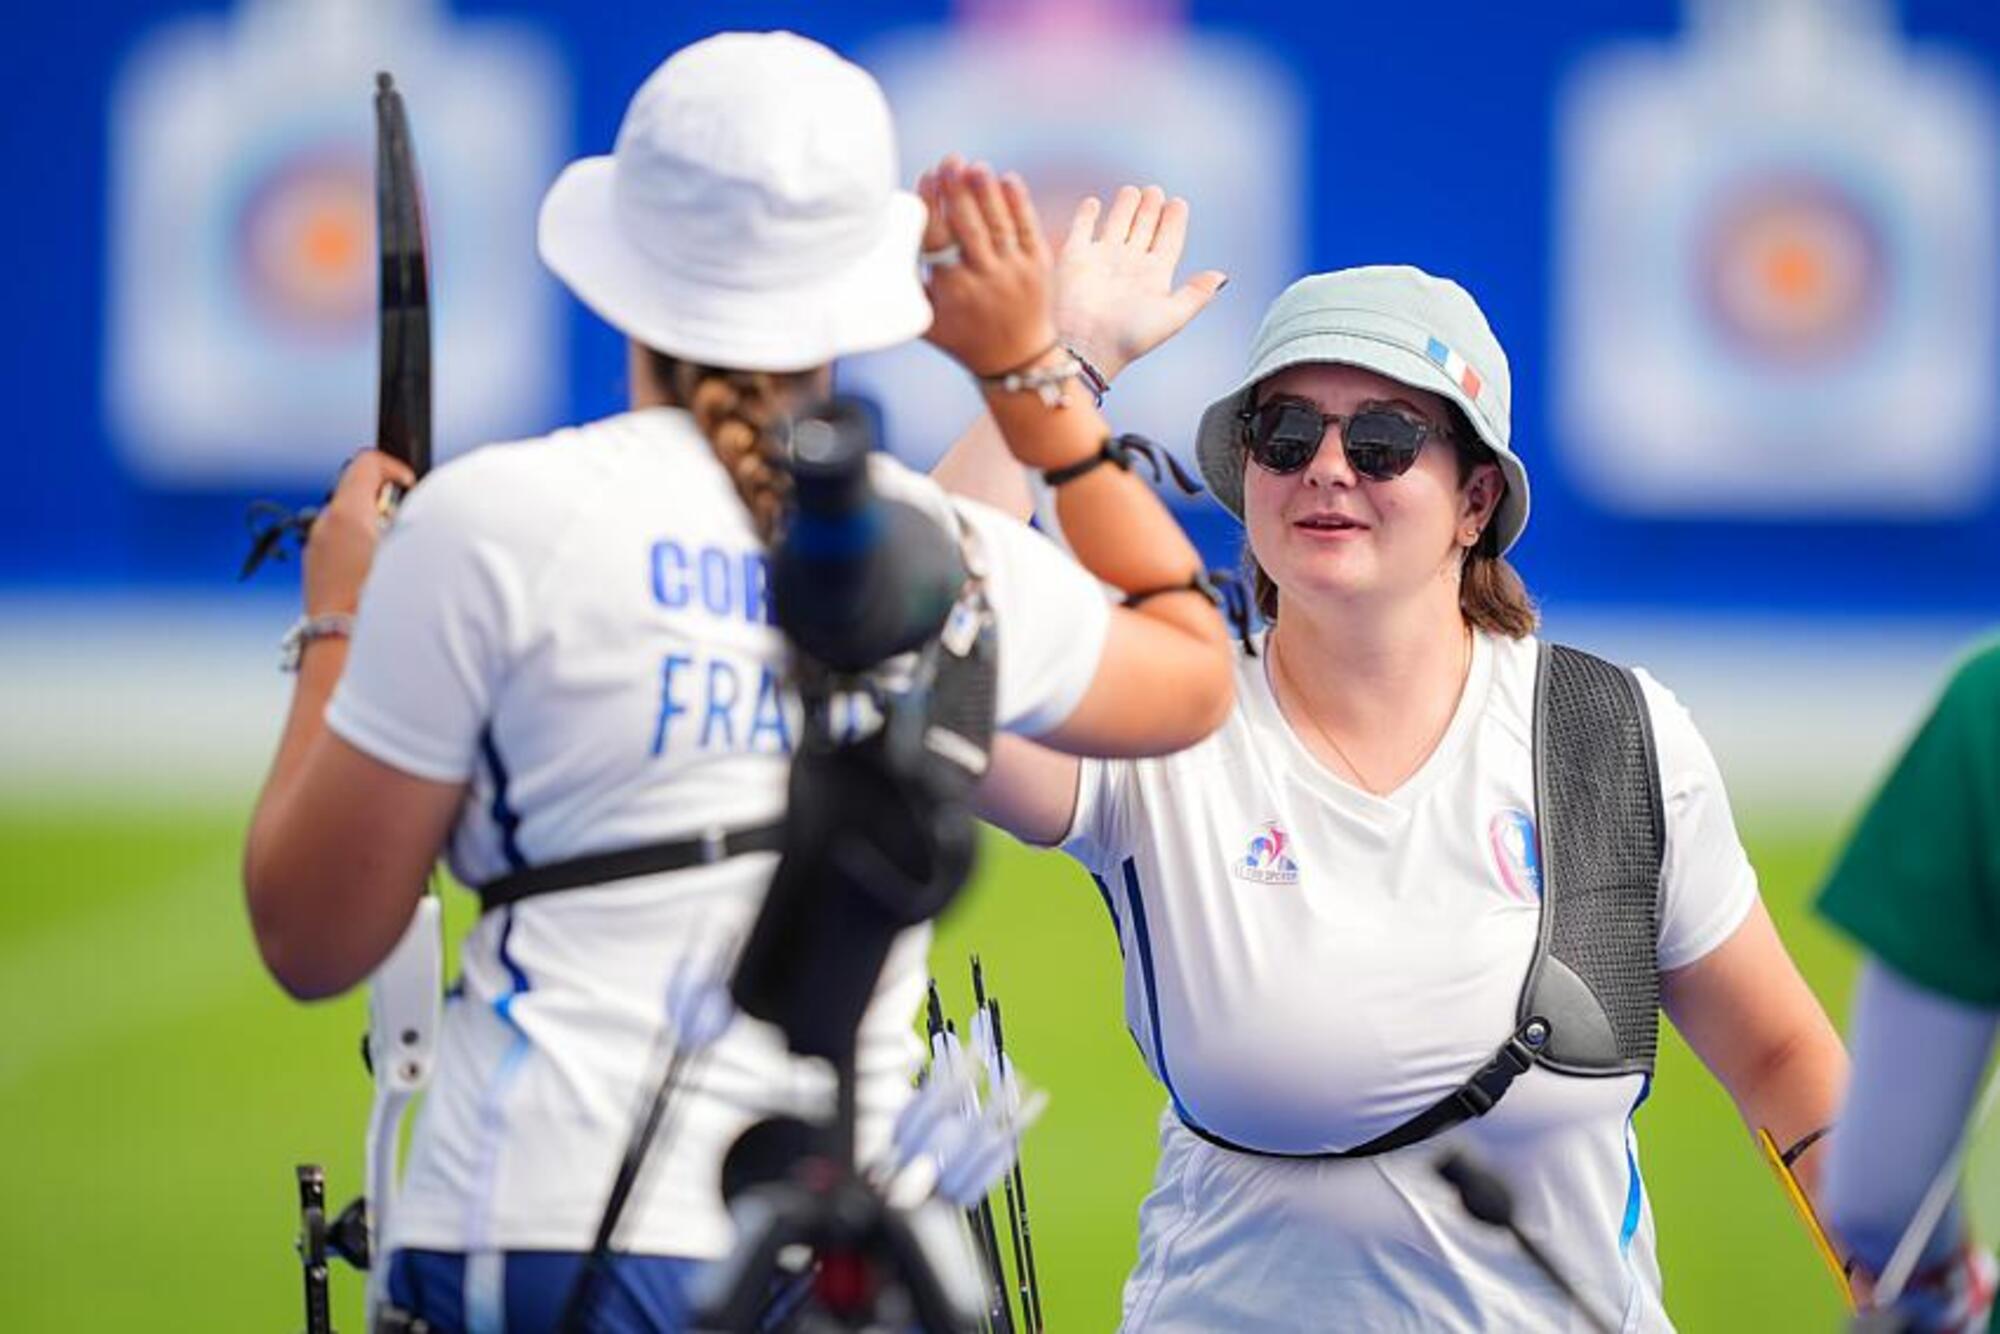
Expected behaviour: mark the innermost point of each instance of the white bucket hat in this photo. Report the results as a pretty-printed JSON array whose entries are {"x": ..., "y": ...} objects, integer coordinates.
[
  {"x": 1397, "y": 321},
  {"x": 748, "y": 216}
]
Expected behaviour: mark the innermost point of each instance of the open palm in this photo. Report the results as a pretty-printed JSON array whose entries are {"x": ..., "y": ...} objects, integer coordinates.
[{"x": 1115, "y": 297}]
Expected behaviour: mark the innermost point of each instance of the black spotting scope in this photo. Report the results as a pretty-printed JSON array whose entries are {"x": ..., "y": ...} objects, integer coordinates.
[{"x": 858, "y": 577}]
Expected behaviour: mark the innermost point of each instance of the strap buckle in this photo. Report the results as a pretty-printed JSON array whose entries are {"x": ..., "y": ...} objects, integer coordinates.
[
  {"x": 714, "y": 845},
  {"x": 1515, "y": 1057}
]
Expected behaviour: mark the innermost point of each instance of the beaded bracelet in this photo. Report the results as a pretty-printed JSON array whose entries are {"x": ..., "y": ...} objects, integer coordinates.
[
  {"x": 1045, "y": 381},
  {"x": 308, "y": 629},
  {"x": 1093, "y": 378}
]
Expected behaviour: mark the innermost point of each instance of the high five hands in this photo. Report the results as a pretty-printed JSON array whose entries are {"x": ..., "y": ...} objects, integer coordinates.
[{"x": 1112, "y": 291}]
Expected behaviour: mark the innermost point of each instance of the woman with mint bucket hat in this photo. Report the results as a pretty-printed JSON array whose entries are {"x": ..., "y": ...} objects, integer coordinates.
[
  {"x": 1327, "y": 909},
  {"x": 563, "y": 649}
]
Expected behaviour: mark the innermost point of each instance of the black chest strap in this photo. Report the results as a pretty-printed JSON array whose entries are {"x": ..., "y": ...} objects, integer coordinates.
[
  {"x": 597, "y": 868},
  {"x": 1475, "y": 1097},
  {"x": 1590, "y": 1002}
]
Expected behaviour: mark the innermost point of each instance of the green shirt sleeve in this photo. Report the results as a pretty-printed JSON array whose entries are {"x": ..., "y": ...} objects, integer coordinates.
[{"x": 1919, "y": 884}]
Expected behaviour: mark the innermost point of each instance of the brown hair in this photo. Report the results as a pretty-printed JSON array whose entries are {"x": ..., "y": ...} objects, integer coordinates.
[
  {"x": 1491, "y": 595},
  {"x": 738, "y": 412}
]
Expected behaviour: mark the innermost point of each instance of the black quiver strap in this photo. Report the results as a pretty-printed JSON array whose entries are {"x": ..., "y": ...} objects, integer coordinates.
[
  {"x": 1602, "y": 829},
  {"x": 1590, "y": 1004}
]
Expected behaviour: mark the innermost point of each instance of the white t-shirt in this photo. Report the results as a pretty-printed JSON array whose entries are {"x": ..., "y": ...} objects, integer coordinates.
[
  {"x": 1308, "y": 965},
  {"x": 578, "y": 627}
]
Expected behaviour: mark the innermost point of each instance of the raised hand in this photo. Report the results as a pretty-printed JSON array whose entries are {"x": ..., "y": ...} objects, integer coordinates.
[
  {"x": 990, "y": 272},
  {"x": 1115, "y": 293}
]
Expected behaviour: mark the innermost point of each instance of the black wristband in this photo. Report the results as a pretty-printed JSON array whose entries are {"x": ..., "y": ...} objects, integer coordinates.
[
  {"x": 1111, "y": 451},
  {"x": 1122, "y": 452},
  {"x": 1801, "y": 1144}
]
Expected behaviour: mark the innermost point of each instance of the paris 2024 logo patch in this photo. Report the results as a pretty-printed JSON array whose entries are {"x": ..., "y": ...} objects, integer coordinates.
[
  {"x": 1269, "y": 860},
  {"x": 1512, "y": 835}
]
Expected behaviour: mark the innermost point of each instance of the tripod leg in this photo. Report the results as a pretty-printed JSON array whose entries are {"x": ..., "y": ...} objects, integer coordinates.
[{"x": 646, "y": 1135}]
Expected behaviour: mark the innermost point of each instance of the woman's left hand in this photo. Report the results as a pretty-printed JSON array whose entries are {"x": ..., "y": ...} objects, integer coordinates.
[
  {"x": 341, "y": 545},
  {"x": 991, "y": 303}
]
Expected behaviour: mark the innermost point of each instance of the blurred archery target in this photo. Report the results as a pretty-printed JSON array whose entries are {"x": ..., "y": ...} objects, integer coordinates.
[
  {"x": 305, "y": 243},
  {"x": 240, "y": 337},
  {"x": 1775, "y": 236},
  {"x": 1792, "y": 270}
]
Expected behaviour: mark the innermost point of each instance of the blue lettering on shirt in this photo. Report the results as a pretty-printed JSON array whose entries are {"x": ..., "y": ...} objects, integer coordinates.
[
  {"x": 670, "y": 574},
  {"x": 757, "y": 588},
  {"x": 735, "y": 720},
  {"x": 723, "y": 687},
  {"x": 670, "y": 708},
  {"x": 732, "y": 718},
  {"x": 731, "y": 584},
  {"x": 769, "y": 715},
  {"x": 718, "y": 589}
]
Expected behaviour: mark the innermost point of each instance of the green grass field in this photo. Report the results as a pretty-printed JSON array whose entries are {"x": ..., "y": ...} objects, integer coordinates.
[{"x": 156, "y": 1088}]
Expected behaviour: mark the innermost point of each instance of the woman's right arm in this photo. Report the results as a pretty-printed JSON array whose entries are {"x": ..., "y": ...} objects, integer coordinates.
[
  {"x": 340, "y": 843},
  {"x": 1164, "y": 679},
  {"x": 1116, "y": 300}
]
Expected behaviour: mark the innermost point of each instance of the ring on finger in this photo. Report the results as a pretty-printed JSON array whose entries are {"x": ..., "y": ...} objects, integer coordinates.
[{"x": 949, "y": 253}]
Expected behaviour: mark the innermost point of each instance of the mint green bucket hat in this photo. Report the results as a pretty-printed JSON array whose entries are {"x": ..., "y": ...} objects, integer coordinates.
[{"x": 1397, "y": 321}]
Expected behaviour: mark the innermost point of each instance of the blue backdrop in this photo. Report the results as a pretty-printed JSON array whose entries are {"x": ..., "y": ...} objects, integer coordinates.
[{"x": 1431, "y": 131}]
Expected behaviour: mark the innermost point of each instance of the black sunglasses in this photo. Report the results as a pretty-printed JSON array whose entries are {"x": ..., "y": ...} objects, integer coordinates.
[{"x": 1381, "y": 442}]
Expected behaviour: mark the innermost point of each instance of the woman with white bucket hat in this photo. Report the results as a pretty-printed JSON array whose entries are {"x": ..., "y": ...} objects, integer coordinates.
[
  {"x": 563, "y": 648},
  {"x": 1383, "y": 916}
]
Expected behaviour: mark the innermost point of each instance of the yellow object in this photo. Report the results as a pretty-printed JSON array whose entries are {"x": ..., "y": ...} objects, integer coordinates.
[{"x": 1797, "y": 1195}]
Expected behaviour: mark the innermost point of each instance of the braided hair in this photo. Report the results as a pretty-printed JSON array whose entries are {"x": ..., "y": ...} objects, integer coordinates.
[{"x": 738, "y": 412}]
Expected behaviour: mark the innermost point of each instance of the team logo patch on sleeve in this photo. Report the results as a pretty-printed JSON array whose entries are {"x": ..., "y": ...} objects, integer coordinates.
[
  {"x": 1512, "y": 834},
  {"x": 1269, "y": 860}
]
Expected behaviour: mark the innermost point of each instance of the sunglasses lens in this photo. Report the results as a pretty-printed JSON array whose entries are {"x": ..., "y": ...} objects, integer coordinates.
[
  {"x": 1284, "y": 437},
  {"x": 1382, "y": 444}
]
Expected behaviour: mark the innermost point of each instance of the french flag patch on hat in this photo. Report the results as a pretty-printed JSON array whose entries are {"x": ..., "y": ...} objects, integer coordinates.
[{"x": 1455, "y": 366}]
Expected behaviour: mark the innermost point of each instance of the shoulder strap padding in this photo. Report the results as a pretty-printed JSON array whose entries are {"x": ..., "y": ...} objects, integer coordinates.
[
  {"x": 1601, "y": 830},
  {"x": 1577, "y": 1018}
]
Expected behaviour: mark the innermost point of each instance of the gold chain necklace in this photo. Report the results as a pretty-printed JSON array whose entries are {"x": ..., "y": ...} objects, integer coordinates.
[{"x": 1465, "y": 672}]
